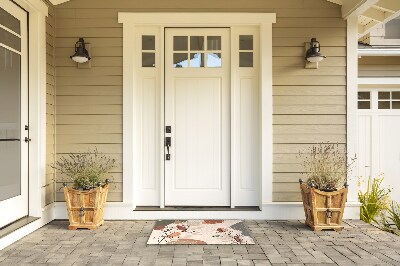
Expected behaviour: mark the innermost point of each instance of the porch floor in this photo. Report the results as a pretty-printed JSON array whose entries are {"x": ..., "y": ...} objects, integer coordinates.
[{"x": 277, "y": 243}]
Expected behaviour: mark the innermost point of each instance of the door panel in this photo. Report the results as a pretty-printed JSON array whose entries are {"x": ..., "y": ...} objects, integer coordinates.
[
  {"x": 197, "y": 98},
  {"x": 13, "y": 113},
  {"x": 198, "y": 134}
]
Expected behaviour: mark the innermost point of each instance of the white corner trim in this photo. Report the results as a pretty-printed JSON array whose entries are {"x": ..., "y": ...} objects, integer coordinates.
[
  {"x": 270, "y": 211},
  {"x": 47, "y": 216},
  {"x": 352, "y": 88},
  {"x": 379, "y": 80}
]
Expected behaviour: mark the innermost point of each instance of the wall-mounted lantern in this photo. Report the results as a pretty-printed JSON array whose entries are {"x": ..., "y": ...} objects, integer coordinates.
[
  {"x": 81, "y": 54},
  {"x": 313, "y": 55}
]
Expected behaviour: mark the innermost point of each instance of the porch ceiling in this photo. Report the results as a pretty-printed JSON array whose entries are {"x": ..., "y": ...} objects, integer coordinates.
[{"x": 371, "y": 13}]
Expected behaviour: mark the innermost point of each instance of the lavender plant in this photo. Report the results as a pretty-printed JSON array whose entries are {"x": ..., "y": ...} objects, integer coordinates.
[
  {"x": 86, "y": 170},
  {"x": 325, "y": 166}
]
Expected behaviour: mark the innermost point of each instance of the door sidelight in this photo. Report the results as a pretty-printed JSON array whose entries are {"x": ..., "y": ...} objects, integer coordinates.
[{"x": 168, "y": 144}]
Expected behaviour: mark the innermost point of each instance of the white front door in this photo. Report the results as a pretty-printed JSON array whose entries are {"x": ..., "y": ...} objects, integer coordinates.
[
  {"x": 197, "y": 108},
  {"x": 378, "y": 135},
  {"x": 13, "y": 113}
]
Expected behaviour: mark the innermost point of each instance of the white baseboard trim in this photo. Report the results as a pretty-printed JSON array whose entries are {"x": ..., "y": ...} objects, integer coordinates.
[
  {"x": 47, "y": 216},
  {"x": 270, "y": 211}
]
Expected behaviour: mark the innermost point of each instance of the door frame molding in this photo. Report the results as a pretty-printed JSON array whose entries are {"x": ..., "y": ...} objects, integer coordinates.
[
  {"x": 37, "y": 13},
  {"x": 132, "y": 160}
]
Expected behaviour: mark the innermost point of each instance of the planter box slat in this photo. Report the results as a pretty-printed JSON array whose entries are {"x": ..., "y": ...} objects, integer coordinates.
[
  {"x": 323, "y": 210},
  {"x": 85, "y": 208}
]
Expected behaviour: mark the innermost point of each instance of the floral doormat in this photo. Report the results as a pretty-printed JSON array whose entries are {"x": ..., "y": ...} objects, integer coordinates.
[{"x": 200, "y": 232}]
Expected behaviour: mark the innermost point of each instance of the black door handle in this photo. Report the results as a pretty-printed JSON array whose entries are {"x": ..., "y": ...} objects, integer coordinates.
[{"x": 168, "y": 144}]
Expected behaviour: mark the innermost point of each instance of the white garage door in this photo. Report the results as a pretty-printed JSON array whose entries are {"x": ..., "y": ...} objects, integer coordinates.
[{"x": 379, "y": 136}]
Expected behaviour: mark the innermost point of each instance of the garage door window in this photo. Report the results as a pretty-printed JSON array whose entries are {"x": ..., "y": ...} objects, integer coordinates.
[
  {"x": 364, "y": 100},
  {"x": 389, "y": 100}
]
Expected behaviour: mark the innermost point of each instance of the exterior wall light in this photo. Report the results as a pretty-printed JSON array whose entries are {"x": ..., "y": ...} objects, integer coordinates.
[
  {"x": 313, "y": 55},
  {"x": 81, "y": 54}
]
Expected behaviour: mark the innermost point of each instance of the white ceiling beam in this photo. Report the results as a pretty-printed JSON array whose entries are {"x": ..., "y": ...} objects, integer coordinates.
[
  {"x": 375, "y": 14},
  {"x": 57, "y": 2},
  {"x": 338, "y": 2},
  {"x": 354, "y": 8},
  {"x": 365, "y": 29},
  {"x": 373, "y": 24},
  {"x": 389, "y": 5}
]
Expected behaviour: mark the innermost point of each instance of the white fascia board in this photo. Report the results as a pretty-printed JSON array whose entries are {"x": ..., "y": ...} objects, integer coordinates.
[{"x": 379, "y": 52}]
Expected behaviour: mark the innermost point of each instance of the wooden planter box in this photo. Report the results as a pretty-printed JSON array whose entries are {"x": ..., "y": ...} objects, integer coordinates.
[
  {"x": 323, "y": 210},
  {"x": 85, "y": 207}
]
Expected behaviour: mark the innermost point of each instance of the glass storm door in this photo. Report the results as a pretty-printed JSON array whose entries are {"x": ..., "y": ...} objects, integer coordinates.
[
  {"x": 13, "y": 113},
  {"x": 197, "y": 108}
]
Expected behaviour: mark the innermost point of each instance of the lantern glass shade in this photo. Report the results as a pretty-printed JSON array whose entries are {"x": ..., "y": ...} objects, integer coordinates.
[
  {"x": 313, "y": 54},
  {"x": 81, "y": 54}
]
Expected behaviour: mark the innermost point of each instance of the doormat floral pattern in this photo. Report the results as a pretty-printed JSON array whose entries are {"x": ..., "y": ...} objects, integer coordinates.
[{"x": 200, "y": 232}]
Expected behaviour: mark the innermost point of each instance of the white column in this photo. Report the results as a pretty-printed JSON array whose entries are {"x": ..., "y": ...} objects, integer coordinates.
[{"x": 352, "y": 87}]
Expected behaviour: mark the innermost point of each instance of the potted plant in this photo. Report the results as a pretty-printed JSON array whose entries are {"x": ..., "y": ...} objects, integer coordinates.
[
  {"x": 324, "y": 192},
  {"x": 86, "y": 198}
]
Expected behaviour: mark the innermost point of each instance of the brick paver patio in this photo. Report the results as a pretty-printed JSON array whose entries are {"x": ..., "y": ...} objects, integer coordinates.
[{"x": 278, "y": 243}]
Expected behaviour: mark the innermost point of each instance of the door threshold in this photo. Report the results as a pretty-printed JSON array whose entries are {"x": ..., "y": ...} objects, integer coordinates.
[
  {"x": 196, "y": 208},
  {"x": 8, "y": 229}
]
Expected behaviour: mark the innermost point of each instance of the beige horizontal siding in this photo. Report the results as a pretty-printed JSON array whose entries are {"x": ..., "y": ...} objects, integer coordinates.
[
  {"x": 379, "y": 66},
  {"x": 309, "y": 104},
  {"x": 49, "y": 184}
]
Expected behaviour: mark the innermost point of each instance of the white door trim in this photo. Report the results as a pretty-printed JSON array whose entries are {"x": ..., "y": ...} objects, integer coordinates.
[
  {"x": 37, "y": 102},
  {"x": 38, "y": 11},
  {"x": 131, "y": 124}
]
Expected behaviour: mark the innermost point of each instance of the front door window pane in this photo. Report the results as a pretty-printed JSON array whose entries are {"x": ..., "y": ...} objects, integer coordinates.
[
  {"x": 246, "y": 42},
  {"x": 10, "y": 121},
  {"x": 197, "y": 60},
  {"x": 214, "y": 60},
  {"x": 196, "y": 43},
  {"x": 148, "y": 42},
  {"x": 245, "y": 59},
  {"x": 148, "y": 59},
  {"x": 180, "y": 60},
  {"x": 180, "y": 43},
  {"x": 213, "y": 43}
]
